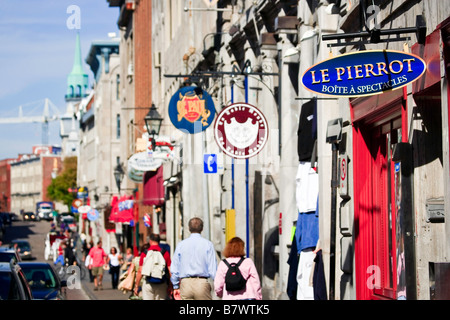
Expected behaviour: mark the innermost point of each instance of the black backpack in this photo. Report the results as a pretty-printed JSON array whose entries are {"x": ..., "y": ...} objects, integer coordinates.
[{"x": 234, "y": 281}]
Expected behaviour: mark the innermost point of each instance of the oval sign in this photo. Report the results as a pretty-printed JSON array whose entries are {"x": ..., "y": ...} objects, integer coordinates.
[
  {"x": 141, "y": 161},
  {"x": 93, "y": 215},
  {"x": 191, "y": 110},
  {"x": 363, "y": 73}
]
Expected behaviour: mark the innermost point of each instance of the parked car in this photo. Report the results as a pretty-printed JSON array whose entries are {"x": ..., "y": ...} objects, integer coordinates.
[
  {"x": 14, "y": 216},
  {"x": 30, "y": 216},
  {"x": 2, "y": 230},
  {"x": 6, "y": 254},
  {"x": 69, "y": 222},
  {"x": 43, "y": 281},
  {"x": 23, "y": 248},
  {"x": 13, "y": 283}
]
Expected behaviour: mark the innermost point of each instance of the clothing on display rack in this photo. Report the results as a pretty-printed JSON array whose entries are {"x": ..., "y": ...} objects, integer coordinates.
[
  {"x": 307, "y": 130},
  {"x": 291, "y": 289},
  {"x": 319, "y": 285},
  {"x": 307, "y": 187},
  {"x": 305, "y": 290}
]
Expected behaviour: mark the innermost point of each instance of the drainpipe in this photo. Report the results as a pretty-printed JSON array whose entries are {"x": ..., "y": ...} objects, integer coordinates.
[{"x": 247, "y": 209}]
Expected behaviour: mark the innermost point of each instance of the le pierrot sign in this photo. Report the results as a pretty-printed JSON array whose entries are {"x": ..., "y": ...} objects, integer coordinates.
[{"x": 364, "y": 73}]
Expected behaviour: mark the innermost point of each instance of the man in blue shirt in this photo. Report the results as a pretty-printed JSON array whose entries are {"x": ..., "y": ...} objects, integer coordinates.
[{"x": 193, "y": 262}]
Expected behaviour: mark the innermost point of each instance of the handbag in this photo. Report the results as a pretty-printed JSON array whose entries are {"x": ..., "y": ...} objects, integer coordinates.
[{"x": 127, "y": 283}]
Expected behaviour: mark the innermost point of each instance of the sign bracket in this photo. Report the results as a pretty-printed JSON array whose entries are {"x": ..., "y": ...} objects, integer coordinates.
[{"x": 375, "y": 34}]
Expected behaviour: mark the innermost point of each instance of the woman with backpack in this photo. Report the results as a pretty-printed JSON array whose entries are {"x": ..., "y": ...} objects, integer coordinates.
[{"x": 236, "y": 276}]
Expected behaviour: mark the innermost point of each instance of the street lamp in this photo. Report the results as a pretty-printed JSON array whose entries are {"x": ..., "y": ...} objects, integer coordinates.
[
  {"x": 153, "y": 123},
  {"x": 118, "y": 175}
]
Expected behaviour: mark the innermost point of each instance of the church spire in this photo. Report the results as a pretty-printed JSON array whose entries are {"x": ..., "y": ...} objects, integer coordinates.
[
  {"x": 77, "y": 62},
  {"x": 77, "y": 80}
]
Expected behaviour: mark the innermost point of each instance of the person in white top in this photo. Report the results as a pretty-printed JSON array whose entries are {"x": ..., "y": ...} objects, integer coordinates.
[{"x": 114, "y": 261}]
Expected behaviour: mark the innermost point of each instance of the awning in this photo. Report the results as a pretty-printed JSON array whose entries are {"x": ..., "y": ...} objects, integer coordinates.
[{"x": 153, "y": 194}]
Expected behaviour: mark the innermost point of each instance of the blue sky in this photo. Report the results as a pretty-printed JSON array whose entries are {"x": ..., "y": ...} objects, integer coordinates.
[{"x": 36, "y": 55}]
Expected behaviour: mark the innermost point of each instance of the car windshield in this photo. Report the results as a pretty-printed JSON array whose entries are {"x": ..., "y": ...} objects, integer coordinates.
[
  {"x": 8, "y": 287},
  {"x": 24, "y": 246},
  {"x": 6, "y": 256},
  {"x": 40, "y": 278}
]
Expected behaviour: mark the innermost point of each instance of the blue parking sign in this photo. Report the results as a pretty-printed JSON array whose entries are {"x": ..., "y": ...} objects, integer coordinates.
[{"x": 210, "y": 163}]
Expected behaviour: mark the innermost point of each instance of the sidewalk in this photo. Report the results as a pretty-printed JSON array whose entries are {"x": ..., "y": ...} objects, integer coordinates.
[{"x": 108, "y": 293}]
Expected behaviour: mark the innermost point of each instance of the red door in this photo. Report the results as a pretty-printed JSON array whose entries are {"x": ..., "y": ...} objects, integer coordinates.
[{"x": 375, "y": 210}]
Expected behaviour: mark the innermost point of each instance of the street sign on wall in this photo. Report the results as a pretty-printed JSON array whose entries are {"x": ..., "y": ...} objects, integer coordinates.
[
  {"x": 363, "y": 73},
  {"x": 241, "y": 130},
  {"x": 210, "y": 163}
]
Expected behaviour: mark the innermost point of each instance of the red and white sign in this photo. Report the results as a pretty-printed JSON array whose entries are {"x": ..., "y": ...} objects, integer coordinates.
[
  {"x": 241, "y": 130},
  {"x": 343, "y": 183}
]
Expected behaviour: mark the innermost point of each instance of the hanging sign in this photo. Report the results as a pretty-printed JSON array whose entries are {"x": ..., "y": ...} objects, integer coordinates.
[
  {"x": 135, "y": 175},
  {"x": 363, "y": 73},
  {"x": 82, "y": 193},
  {"x": 142, "y": 162},
  {"x": 163, "y": 148},
  {"x": 93, "y": 215},
  {"x": 84, "y": 209},
  {"x": 241, "y": 130},
  {"x": 191, "y": 109}
]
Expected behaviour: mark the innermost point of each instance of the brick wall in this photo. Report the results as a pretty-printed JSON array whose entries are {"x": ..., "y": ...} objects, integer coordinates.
[
  {"x": 143, "y": 59},
  {"x": 142, "y": 31},
  {"x": 5, "y": 185}
]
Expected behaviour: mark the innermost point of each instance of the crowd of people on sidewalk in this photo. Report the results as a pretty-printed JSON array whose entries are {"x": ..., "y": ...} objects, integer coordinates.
[{"x": 193, "y": 272}]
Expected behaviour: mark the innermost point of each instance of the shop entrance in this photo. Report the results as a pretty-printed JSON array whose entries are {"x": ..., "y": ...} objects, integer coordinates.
[
  {"x": 379, "y": 229},
  {"x": 386, "y": 193}
]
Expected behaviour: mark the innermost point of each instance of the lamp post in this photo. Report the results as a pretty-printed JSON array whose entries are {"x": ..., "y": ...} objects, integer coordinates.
[
  {"x": 153, "y": 123},
  {"x": 118, "y": 175}
]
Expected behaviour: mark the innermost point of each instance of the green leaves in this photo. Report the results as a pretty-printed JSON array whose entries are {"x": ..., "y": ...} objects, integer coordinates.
[{"x": 58, "y": 189}]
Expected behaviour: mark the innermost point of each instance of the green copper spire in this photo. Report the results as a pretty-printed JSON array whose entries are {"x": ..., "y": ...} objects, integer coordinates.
[{"x": 77, "y": 81}]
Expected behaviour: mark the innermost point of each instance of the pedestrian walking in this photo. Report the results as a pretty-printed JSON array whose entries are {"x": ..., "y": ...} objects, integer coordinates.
[
  {"x": 97, "y": 263},
  {"x": 128, "y": 259},
  {"x": 154, "y": 287},
  {"x": 234, "y": 254},
  {"x": 114, "y": 259},
  {"x": 193, "y": 263},
  {"x": 88, "y": 259},
  {"x": 61, "y": 249}
]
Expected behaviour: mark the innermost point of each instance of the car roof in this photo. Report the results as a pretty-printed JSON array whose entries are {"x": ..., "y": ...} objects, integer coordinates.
[
  {"x": 6, "y": 266},
  {"x": 19, "y": 240},
  {"x": 35, "y": 264},
  {"x": 6, "y": 249}
]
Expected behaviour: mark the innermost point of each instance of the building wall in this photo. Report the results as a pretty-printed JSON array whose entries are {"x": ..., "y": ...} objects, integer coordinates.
[
  {"x": 178, "y": 39},
  {"x": 100, "y": 146},
  {"x": 429, "y": 175},
  {"x": 5, "y": 185},
  {"x": 142, "y": 30},
  {"x": 30, "y": 179}
]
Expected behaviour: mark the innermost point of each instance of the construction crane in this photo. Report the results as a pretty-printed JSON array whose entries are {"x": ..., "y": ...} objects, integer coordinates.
[{"x": 44, "y": 118}]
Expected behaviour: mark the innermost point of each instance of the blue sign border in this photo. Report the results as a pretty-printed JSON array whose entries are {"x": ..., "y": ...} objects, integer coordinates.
[
  {"x": 363, "y": 73},
  {"x": 185, "y": 125}
]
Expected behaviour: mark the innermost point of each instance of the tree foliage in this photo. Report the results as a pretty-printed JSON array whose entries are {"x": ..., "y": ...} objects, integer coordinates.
[{"x": 58, "y": 190}]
